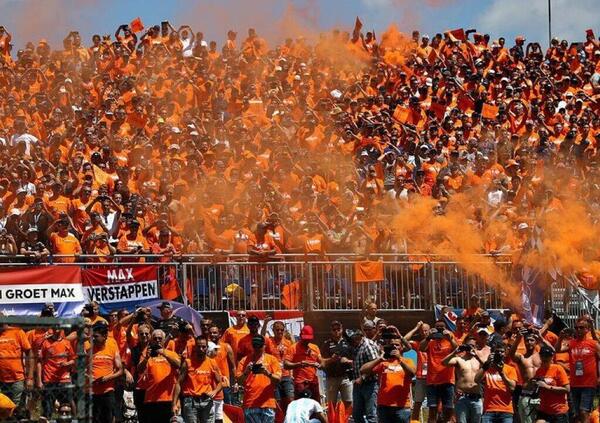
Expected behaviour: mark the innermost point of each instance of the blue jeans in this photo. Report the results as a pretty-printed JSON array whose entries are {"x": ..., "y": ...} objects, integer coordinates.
[
  {"x": 497, "y": 418},
  {"x": 387, "y": 414},
  {"x": 364, "y": 400},
  {"x": 583, "y": 399},
  {"x": 193, "y": 410},
  {"x": 259, "y": 415},
  {"x": 468, "y": 410}
]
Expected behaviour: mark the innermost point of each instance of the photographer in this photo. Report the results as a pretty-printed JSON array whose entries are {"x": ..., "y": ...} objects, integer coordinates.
[
  {"x": 337, "y": 363},
  {"x": 199, "y": 382},
  {"x": 498, "y": 381},
  {"x": 466, "y": 361},
  {"x": 259, "y": 373},
  {"x": 553, "y": 383},
  {"x": 159, "y": 367},
  {"x": 134, "y": 242},
  {"x": 395, "y": 375},
  {"x": 440, "y": 379},
  {"x": 92, "y": 312}
]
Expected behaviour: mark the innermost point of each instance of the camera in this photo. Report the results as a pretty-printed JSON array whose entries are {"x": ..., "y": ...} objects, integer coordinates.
[
  {"x": 256, "y": 368},
  {"x": 153, "y": 350},
  {"x": 387, "y": 351},
  {"x": 436, "y": 334},
  {"x": 88, "y": 310}
]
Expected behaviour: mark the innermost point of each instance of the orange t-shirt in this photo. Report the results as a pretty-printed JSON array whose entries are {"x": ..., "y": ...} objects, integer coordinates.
[
  {"x": 394, "y": 384},
  {"x": 437, "y": 373},
  {"x": 497, "y": 397},
  {"x": 421, "y": 361},
  {"x": 259, "y": 391},
  {"x": 13, "y": 343},
  {"x": 52, "y": 355},
  {"x": 583, "y": 364},
  {"x": 202, "y": 376},
  {"x": 103, "y": 364},
  {"x": 161, "y": 378},
  {"x": 297, "y": 353},
  {"x": 551, "y": 402},
  {"x": 67, "y": 245},
  {"x": 279, "y": 351},
  {"x": 233, "y": 335}
]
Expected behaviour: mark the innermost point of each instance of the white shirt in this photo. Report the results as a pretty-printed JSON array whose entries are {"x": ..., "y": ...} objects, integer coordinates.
[
  {"x": 187, "y": 47},
  {"x": 28, "y": 139},
  {"x": 300, "y": 410}
]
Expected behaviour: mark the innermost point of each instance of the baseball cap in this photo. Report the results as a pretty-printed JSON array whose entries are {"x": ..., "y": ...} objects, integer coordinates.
[
  {"x": 258, "y": 341},
  {"x": 165, "y": 304},
  {"x": 307, "y": 333},
  {"x": 253, "y": 320},
  {"x": 546, "y": 350}
]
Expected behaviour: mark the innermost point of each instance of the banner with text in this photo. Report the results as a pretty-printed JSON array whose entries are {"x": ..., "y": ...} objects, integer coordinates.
[
  {"x": 120, "y": 287},
  {"x": 25, "y": 292}
]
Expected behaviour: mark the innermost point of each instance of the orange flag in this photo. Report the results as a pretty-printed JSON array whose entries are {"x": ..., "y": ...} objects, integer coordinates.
[
  {"x": 136, "y": 25},
  {"x": 489, "y": 111},
  {"x": 368, "y": 271},
  {"x": 290, "y": 295},
  {"x": 438, "y": 109},
  {"x": 401, "y": 114}
]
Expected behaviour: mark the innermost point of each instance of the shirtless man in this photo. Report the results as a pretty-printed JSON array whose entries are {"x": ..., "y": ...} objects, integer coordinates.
[
  {"x": 467, "y": 361},
  {"x": 528, "y": 364}
]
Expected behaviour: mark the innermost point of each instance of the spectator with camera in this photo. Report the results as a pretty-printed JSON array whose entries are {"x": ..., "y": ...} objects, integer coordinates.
[
  {"x": 337, "y": 363},
  {"x": 395, "y": 375},
  {"x": 244, "y": 346},
  {"x": 32, "y": 248},
  {"x": 92, "y": 312},
  {"x": 200, "y": 380},
  {"x": 584, "y": 349},
  {"x": 440, "y": 379},
  {"x": 259, "y": 373},
  {"x": 465, "y": 359},
  {"x": 159, "y": 367},
  {"x": 553, "y": 384},
  {"x": 498, "y": 381}
]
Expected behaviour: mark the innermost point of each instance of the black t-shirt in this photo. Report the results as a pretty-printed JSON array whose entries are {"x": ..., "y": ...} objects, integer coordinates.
[{"x": 341, "y": 348}]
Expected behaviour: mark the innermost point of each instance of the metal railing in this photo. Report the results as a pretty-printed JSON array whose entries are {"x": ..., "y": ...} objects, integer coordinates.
[{"x": 312, "y": 282}]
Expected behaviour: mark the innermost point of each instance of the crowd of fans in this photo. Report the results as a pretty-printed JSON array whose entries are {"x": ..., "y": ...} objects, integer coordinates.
[
  {"x": 503, "y": 371},
  {"x": 161, "y": 142}
]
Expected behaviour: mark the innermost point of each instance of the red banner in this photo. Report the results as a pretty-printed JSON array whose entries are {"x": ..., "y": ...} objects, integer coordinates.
[
  {"x": 120, "y": 285},
  {"x": 24, "y": 292}
]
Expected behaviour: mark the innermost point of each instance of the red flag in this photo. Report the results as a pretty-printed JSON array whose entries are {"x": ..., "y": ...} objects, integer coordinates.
[
  {"x": 457, "y": 34},
  {"x": 233, "y": 414},
  {"x": 136, "y": 25},
  {"x": 465, "y": 103},
  {"x": 357, "y": 26},
  {"x": 438, "y": 109}
]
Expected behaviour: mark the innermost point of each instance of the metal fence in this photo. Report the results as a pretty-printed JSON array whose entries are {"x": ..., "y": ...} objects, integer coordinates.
[{"x": 308, "y": 282}]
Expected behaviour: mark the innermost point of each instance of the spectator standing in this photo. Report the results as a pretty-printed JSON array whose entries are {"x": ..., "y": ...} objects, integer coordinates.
[
  {"x": 498, "y": 381},
  {"x": 337, "y": 362},
  {"x": 304, "y": 358},
  {"x": 364, "y": 389},
  {"x": 259, "y": 374}
]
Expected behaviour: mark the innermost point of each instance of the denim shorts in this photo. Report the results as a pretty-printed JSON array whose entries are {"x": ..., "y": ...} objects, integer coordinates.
[
  {"x": 284, "y": 389},
  {"x": 443, "y": 393},
  {"x": 259, "y": 415},
  {"x": 583, "y": 399}
]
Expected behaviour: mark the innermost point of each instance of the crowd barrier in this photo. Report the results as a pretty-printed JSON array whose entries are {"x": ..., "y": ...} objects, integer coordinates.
[{"x": 312, "y": 283}]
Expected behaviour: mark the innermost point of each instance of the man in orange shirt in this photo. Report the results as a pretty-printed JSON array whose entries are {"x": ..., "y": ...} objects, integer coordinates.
[
  {"x": 14, "y": 346},
  {"x": 62, "y": 241},
  {"x": 199, "y": 382},
  {"x": 395, "y": 374},
  {"x": 244, "y": 346},
  {"x": 56, "y": 357},
  {"x": 278, "y": 346},
  {"x": 134, "y": 241},
  {"x": 583, "y": 367},
  {"x": 498, "y": 380},
  {"x": 236, "y": 332},
  {"x": 304, "y": 358},
  {"x": 440, "y": 379},
  {"x": 106, "y": 368},
  {"x": 553, "y": 381},
  {"x": 259, "y": 374},
  {"x": 159, "y": 366}
]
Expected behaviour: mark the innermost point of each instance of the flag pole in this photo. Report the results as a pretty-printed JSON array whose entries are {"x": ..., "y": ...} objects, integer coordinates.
[{"x": 549, "y": 22}]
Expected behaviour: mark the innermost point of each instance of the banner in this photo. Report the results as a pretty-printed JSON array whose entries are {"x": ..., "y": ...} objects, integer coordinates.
[
  {"x": 25, "y": 292},
  {"x": 120, "y": 287},
  {"x": 293, "y": 320},
  {"x": 449, "y": 315}
]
